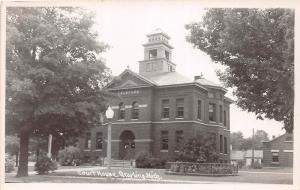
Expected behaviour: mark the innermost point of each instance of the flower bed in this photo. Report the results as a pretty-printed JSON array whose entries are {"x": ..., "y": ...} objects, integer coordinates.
[{"x": 207, "y": 169}]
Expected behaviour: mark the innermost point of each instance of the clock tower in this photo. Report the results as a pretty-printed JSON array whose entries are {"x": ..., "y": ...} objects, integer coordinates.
[{"x": 157, "y": 54}]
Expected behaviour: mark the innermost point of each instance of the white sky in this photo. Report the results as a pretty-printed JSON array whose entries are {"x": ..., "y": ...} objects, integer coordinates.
[{"x": 124, "y": 28}]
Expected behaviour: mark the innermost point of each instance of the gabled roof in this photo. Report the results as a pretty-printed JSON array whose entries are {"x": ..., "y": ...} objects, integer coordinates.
[
  {"x": 148, "y": 81},
  {"x": 170, "y": 78}
]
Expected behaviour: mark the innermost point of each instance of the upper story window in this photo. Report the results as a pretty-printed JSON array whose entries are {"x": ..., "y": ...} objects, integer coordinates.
[
  {"x": 211, "y": 95},
  {"x": 99, "y": 140},
  {"x": 135, "y": 110},
  {"x": 165, "y": 109},
  {"x": 225, "y": 118},
  {"x": 199, "y": 110},
  {"x": 121, "y": 111},
  {"x": 180, "y": 108},
  {"x": 221, "y": 113},
  {"x": 153, "y": 54},
  {"x": 225, "y": 145},
  {"x": 167, "y": 55},
  {"x": 212, "y": 112},
  {"x": 164, "y": 140},
  {"x": 88, "y": 142}
]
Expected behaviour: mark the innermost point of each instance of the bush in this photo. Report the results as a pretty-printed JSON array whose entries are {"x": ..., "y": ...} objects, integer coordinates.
[
  {"x": 145, "y": 160},
  {"x": 44, "y": 165},
  {"x": 256, "y": 165},
  {"x": 9, "y": 164},
  {"x": 70, "y": 156}
]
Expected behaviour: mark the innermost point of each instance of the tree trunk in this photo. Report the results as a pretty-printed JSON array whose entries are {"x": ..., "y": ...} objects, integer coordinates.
[
  {"x": 23, "y": 160},
  {"x": 17, "y": 159}
]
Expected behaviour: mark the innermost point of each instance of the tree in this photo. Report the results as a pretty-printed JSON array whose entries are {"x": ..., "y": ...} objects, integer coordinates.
[
  {"x": 201, "y": 148},
  {"x": 236, "y": 140},
  {"x": 54, "y": 74},
  {"x": 257, "y": 46}
]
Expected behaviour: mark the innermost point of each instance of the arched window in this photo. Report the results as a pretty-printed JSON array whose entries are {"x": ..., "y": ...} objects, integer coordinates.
[
  {"x": 135, "y": 110},
  {"x": 121, "y": 111}
]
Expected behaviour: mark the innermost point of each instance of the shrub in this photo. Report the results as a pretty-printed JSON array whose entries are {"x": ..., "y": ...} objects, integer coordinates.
[
  {"x": 44, "y": 165},
  {"x": 9, "y": 164},
  {"x": 145, "y": 160},
  {"x": 256, "y": 165},
  {"x": 70, "y": 156}
]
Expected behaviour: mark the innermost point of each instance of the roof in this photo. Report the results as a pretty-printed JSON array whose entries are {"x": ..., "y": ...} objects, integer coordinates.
[
  {"x": 169, "y": 78},
  {"x": 285, "y": 135},
  {"x": 158, "y": 31},
  {"x": 237, "y": 155},
  {"x": 257, "y": 154}
]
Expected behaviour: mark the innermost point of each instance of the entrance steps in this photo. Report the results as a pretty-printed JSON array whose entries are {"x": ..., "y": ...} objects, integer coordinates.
[{"x": 122, "y": 163}]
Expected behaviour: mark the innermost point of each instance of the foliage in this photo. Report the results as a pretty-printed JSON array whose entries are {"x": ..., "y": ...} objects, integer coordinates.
[
  {"x": 54, "y": 75},
  {"x": 9, "y": 164},
  {"x": 70, "y": 156},
  {"x": 145, "y": 160},
  {"x": 257, "y": 46},
  {"x": 210, "y": 169},
  {"x": 240, "y": 143},
  {"x": 44, "y": 165},
  {"x": 201, "y": 148}
]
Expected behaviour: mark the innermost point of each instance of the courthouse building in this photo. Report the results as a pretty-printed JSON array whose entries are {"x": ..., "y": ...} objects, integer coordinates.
[{"x": 157, "y": 109}]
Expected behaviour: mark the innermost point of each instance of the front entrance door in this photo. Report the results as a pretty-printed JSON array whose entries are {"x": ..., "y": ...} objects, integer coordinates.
[{"x": 127, "y": 145}]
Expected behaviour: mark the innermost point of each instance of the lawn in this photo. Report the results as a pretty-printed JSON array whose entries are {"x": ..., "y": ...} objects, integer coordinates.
[{"x": 136, "y": 175}]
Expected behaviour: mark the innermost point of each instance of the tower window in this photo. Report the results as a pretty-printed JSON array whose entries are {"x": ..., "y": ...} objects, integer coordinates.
[
  {"x": 225, "y": 145},
  {"x": 225, "y": 121},
  {"x": 165, "y": 109},
  {"x": 180, "y": 108},
  {"x": 135, "y": 110},
  {"x": 164, "y": 140},
  {"x": 121, "y": 111},
  {"x": 153, "y": 54},
  {"x": 167, "y": 55},
  {"x": 212, "y": 112}
]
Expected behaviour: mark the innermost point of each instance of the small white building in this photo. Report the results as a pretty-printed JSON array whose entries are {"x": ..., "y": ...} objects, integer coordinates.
[{"x": 244, "y": 158}]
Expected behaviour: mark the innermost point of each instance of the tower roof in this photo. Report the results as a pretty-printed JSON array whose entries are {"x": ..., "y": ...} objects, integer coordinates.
[{"x": 158, "y": 31}]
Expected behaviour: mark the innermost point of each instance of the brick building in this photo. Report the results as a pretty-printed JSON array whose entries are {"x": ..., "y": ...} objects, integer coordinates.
[
  {"x": 279, "y": 151},
  {"x": 157, "y": 108}
]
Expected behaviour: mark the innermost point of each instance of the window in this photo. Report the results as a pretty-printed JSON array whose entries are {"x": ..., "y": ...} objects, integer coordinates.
[
  {"x": 221, "y": 114},
  {"x": 153, "y": 54},
  {"x": 99, "y": 140},
  {"x": 121, "y": 111},
  {"x": 275, "y": 157},
  {"x": 88, "y": 142},
  {"x": 225, "y": 118},
  {"x": 225, "y": 145},
  {"x": 178, "y": 139},
  {"x": 164, "y": 140},
  {"x": 135, "y": 110},
  {"x": 167, "y": 55},
  {"x": 211, "y": 95},
  {"x": 212, "y": 112},
  {"x": 199, "y": 112},
  {"x": 180, "y": 108},
  {"x": 221, "y": 143},
  {"x": 165, "y": 108}
]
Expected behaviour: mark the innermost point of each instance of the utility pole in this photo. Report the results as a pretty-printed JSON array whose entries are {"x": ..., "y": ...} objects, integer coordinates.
[{"x": 252, "y": 160}]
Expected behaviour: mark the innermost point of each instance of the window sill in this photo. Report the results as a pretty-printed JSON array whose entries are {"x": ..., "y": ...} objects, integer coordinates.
[
  {"x": 176, "y": 150},
  {"x": 121, "y": 120},
  {"x": 98, "y": 150},
  {"x": 164, "y": 150},
  {"x": 165, "y": 118},
  {"x": 212, "y": 122},
  {"x": 87, "y": 150},
  {"x": 134, "y": 119},
  {"x": 275, "y": 162},
  {"x": 179, "y": 118}
]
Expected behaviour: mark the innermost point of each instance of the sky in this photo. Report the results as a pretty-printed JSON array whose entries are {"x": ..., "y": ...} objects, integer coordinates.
[{"x": 124, "y": 27}]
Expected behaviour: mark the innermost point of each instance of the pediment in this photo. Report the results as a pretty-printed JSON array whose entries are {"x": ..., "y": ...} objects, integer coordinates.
[{"x": 128, "y": 79}]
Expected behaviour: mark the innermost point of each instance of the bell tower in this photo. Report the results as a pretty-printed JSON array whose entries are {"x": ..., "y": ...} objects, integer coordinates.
[{"x": 157, "y": 54}]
